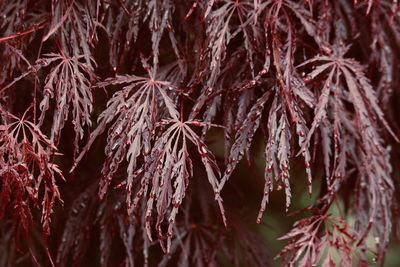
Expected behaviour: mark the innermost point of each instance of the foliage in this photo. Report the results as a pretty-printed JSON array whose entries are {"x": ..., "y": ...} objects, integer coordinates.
[{"x": 153, "y": 90}]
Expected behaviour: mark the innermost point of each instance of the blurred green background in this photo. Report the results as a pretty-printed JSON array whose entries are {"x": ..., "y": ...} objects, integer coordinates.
[{"x": 276, "y": 222}]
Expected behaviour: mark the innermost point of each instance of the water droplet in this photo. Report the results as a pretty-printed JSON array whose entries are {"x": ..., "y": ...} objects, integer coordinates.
[
  {"x": 269, "y": 169},
  {"x": 279, "y": 187},
  {"x": 204, "y": 151},
  {"x": 117, "y": 206}
]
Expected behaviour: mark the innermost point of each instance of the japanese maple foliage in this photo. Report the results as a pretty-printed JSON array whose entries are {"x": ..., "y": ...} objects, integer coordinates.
[{"x": 122, "y": 121}]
